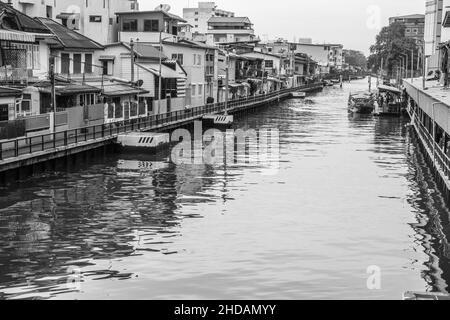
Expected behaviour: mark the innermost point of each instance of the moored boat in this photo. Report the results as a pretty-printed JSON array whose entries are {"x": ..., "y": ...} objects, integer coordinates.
[
  {"x": 299, "y": 95},
  {"x": 361, "y": 102},
  {"x": 389, "y": 101}
]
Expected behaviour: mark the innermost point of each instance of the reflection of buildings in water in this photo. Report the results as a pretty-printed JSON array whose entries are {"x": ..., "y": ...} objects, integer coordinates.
[
  {"x": 432, "y": 219},
  {"x": 88, "y": 215},
  {"x": 395, "y": 145}
]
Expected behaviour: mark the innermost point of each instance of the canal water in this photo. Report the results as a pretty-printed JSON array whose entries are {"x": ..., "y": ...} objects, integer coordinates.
[{"x": 352, "y": 194}]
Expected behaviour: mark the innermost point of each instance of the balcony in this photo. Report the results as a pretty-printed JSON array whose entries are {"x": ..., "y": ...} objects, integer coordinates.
[
  {"x": 147, "y": 37},
  {"x": 231, "y": 31},
  {"x": 16, "y": 75}
]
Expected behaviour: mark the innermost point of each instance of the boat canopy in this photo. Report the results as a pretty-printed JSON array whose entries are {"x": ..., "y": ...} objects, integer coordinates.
[
  {"x": 361, "y": 95},
  {"x": 383, "y": 88}
]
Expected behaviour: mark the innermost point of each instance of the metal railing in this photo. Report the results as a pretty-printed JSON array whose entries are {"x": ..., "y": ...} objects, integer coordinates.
[
  {"x": 24, "y": 146},
  {"x": 437, "y": 154}
]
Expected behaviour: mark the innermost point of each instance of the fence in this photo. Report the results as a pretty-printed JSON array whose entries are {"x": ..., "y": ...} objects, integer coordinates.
[{"x": 23, "y": 146}]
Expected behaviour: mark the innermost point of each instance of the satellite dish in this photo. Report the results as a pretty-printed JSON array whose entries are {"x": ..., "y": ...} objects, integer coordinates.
[{"x": 163, "y": 7}]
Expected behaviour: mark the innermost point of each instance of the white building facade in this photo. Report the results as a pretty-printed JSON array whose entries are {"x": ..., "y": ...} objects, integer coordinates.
[
  {"x": 95, "y": 19},
  {"x": 198, "y": 17}
]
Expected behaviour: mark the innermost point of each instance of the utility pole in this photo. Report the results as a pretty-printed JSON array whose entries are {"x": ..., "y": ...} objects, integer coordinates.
[
  {"x": 132, "y": 60},
  {"x": 52, "y": 81},
  {"x": 227, "y": 78},
  {"x": 424, "y": 86},
  {"x": 160, "y": 72}
]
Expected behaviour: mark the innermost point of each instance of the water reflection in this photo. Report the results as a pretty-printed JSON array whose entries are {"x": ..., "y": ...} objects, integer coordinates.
[{"x": 352, "y": 191}]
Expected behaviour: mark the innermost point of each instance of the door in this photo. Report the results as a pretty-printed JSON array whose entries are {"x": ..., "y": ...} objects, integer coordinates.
[{"x": 4, "y": 113}]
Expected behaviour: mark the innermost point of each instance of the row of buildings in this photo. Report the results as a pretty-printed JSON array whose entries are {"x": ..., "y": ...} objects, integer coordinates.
[{"x": 75, "y": 63}]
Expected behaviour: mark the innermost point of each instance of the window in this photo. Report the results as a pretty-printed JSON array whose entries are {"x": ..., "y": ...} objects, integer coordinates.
[
  {"x": 65, "y": 63},
  {"x": 200, "y": 89},
  {"x": 194, "y": 87},
  {"x": 129, "y": 25},
  {"x": 179, "y": 57},
  {"x": 4, "y": 112},
  {"x": 197, "y": 59},
  {"x": 105, "y": 68},
  {"x": 77, "y": 63},
  {"x": 88, "y": 63},
  {"x": 151, "y": 25},
  {"x": 269, "y": 63},
  {"x": 49, "y": 12},
  {"x": 95, "y": 18},
  {"x": 26, "y": 103}
]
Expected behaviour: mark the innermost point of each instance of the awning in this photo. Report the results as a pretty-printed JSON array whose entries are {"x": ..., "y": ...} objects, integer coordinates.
[
  {"x": 72, "y": 89},
  {"x": 112, "y": 89},
  {"x": 274, "y": 80},
  {"x": 254, "y": 80},
  {"x": 107, "y": 58},
  {"x": 389, "y": 89},
  {"x": 166, "y": 72},
  {"x": 67, "y": 15},
  {"x": 8, "y": 35},
  {"x": 116, "y": 89}
]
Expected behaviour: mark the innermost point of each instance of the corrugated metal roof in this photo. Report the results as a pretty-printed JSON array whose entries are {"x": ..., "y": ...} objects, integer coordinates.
[
  {"x": 18, "y": 36},
  {"x": 116, "y": 89},
  {"x": 146, "y": 51},
  {"x": 9, "y": 92},
  {"x": 69, "y": 38}
]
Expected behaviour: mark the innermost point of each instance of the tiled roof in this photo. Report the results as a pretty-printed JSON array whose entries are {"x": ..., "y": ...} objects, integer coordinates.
[
  {"x": 229, "y": 20},
  {"x": 69, "y": 38},
  {"x": 25, "y": 23}
]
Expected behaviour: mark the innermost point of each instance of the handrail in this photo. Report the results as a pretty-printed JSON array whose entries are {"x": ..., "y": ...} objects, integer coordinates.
[{"x": 23, "y": 146}]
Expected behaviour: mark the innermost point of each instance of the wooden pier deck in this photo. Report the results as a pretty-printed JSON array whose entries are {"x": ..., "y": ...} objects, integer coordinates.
[{"x": 22, "y": 152}]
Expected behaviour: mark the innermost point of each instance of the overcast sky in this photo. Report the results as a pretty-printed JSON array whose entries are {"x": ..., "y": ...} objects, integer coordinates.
[{"x": 354, "y": 23}]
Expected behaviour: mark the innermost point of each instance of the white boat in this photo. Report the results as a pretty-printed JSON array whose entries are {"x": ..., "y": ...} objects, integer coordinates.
[{"x": 298, "y": 94}]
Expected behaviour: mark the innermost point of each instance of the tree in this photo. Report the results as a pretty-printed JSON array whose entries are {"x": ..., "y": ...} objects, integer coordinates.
[
  {"x": 355, "y": 58},
  {"x": 390, "y": 46}
]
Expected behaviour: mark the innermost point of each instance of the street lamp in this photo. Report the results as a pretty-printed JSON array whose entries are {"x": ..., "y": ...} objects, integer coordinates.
[{"x": 405, "y": 64}]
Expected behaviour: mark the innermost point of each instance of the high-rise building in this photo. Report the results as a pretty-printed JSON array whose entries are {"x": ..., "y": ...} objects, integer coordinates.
[{"x": 198, "y": 17}]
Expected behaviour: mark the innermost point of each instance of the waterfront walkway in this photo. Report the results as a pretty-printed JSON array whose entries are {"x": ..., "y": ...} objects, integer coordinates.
[
  {"x": 430, "y": 113},
  {"x": 27, "y": 151}
]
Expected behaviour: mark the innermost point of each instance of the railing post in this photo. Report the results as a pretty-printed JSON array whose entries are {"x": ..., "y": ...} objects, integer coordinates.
[
  {"x": 31, "y": 146},
  {"x": 43, "y": 142},
  {"x": 93, "y": 135},
  {"x": 16, "y": 148},
  {"x": 54, "y": 140},
  {"x": 65, "y": 138},
  {"x": 76, "y": 136},
  {"x": 1, "y": 151}
]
